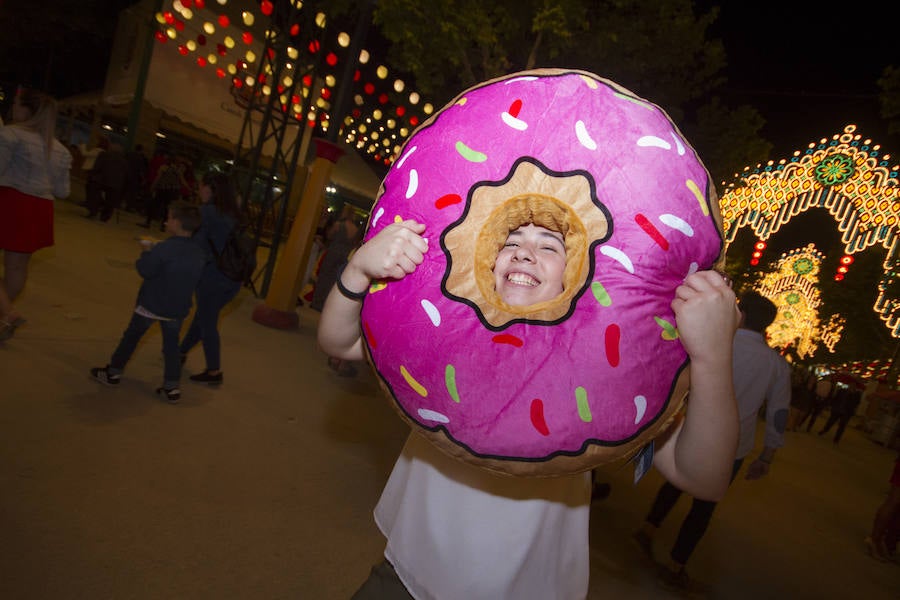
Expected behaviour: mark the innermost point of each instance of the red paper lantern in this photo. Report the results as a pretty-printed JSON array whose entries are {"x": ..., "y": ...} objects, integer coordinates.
[
  {"x": 414, "y": 120},
  {"x": 201, "y": 61},
  {"x": 220, "y": 73},
  {"x": 186, "y": 3},
  {"x": 369, "y": 88},
  {"x": 383, "y": 98},
  {"x": 201, "y": 39},
  {"x": 295, "y": 30},
  {"x": 314, "y": 46},
  {"x": 326, "y": 94},
  {"x": 200, "y": 4},
  {"x": 169, "y": 17},
  {"x": 237, "y": 82},
  {"x": 331, "y": 59},
  {"x": 401, "y": 110},
  {"x": 247, "y": 37},
  {"x": 159, "y": 35},
  {"x": 221, "y": 50},
  {"x": 307, "y": 80},
  {"x": 224, "y": 21},
  {"x": 266, "y": 7},
  {"x": 179, "y": 24},
  {"x": 356, "y": 75},
  {"x": 183, "y": 49}
]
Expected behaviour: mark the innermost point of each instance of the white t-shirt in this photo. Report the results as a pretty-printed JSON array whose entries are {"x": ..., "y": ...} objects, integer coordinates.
[{"x": 457, "y": 531}]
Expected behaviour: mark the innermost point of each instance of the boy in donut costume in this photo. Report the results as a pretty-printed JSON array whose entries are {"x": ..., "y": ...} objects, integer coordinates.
[{"x": 455, "y": 528}]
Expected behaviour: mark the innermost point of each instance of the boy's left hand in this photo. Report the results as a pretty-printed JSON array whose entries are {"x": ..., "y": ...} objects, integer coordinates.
[{"x": 706, "y": 314}]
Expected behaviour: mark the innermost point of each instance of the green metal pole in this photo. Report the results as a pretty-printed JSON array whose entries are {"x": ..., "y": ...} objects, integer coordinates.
[{"x": 134, "y": 116}]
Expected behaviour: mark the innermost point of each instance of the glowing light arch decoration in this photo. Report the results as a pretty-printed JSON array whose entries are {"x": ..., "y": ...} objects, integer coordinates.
[
  {"x": 846, "y": 175},
  {"x": 793, "y": 287}
]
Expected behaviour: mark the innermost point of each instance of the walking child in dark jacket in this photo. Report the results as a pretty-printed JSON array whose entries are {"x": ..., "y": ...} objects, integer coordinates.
[{"x": 171, "y": 270}]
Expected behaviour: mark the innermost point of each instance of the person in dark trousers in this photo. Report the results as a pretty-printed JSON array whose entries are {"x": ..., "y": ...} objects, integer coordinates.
[
  {"x": 165, "y": 189},
  {"x": 109, "y": 176},
  {"x": 843, "y": 407},
  {"x": 135, "y": 195},
  {"x": 760, "y": 375},
  {"x": 171, "y": 270},
  {"x": 221, "y": 213}
]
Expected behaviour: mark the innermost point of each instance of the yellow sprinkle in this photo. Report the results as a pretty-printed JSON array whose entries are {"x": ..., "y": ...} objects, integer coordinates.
[
  {"x": 699, "y": 195},
  {"x": 412, "y": 382},
  {"x": 461, "y": 101},
  {"x": 398, "y": 219},
  {"x": 591, "y": 83},
  {"x": 377, "y": 286}
]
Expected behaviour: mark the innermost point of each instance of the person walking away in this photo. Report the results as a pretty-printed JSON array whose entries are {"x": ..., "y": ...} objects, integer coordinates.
[
  {"x": 164, "y": 190},
  {"x": 760, "y": 375},
  {"x": 171, "y": 270},
  {"x": 221, "y": 213},
  {"x": 843, "y": 407},
  {"x": 824, "y": 391},
  {"x": 109, "y": 177},
  {"x": 34, "y": 169},
  {"x": 449, "y": 524}
]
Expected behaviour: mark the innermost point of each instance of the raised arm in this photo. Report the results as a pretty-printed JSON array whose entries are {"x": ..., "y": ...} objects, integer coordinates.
[
  {"x": 698, "y": 457},
  {"x": 392, "y": 254}
]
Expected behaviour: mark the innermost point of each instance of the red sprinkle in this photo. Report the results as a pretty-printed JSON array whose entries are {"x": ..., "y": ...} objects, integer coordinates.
[
  {"x": 505, "y": 338},
  {"x": 514, "y": 108},
  {"x": 612, "y": 345},
  {"x": 652, "y": 231},
  {"x": 537, "y": 417},
  {"x": 447, "y": 200},
  {"x": 369, "y": 335}
]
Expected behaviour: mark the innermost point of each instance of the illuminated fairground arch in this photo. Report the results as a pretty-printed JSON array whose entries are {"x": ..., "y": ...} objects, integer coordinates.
[
  {"x": 846, "y": 175},
  {"x": 793, "y": 287}
]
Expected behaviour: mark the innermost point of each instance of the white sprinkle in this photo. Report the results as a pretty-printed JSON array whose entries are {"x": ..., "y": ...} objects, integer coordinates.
[
  {"x": 652, "y": 141},
  {"x": 618, "y": 255},
  {"x": 583, "y": 136},
  {"x": 431, "y": 415},
  {"x": 413, "y": 184},
  {"x": 677, "y": 223},
  {"x": 514, "y": 122},
  {"x": 508, "y": 81},
  {"x": 378, "y": 214},
  {"x": 405, "y": 156},
  {"x": 432, "y": 312},
  {"x": 678, "y": 144},
  {"x": 693, "y": 268},
  {"x": 640, "y": 407}
]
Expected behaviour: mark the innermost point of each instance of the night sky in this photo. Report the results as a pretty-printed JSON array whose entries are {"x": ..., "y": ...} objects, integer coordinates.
[{"x": 809, "y": 67}]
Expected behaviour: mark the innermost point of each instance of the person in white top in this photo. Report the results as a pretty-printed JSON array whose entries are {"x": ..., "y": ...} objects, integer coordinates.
[
  {"x": 760, "y": 375},
  {"x": 457, "y": 531},
  {"x": 34, "y": 169}
]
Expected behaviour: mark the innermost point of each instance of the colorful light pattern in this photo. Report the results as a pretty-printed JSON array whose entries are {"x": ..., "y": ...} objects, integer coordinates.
[
  {"x": 793, "y": 287},
  {"x": 384, "y": 113},
  {"x": 850, "y": 178}
]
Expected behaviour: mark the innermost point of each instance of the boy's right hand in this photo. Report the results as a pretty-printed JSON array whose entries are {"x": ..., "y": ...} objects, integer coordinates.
[{"x": 393, "y": 253}]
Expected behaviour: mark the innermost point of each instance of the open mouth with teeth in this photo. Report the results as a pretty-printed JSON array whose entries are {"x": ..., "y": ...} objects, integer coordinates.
[{"x": 522, "y": 279}]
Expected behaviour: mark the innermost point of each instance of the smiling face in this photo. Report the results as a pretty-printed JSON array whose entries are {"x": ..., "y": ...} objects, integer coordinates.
[{"x": 530, "y": 266}]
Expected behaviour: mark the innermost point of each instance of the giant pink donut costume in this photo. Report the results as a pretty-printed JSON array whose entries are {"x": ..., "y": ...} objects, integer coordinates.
[{"x": 594, "y": 377}]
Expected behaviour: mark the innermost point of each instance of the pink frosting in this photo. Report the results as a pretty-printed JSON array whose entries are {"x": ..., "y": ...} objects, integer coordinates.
[{"x": 532, "y": 391}]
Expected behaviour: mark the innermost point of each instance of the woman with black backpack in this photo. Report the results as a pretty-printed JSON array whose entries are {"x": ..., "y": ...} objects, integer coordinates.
[{"x": 221, "y": 214}]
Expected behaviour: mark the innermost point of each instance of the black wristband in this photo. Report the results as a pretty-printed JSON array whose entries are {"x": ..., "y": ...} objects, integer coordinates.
[{"x": 344, "y": 291}]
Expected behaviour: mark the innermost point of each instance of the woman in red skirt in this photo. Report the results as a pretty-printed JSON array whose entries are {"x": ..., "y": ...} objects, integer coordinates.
[{"x": 34, "y": 169}]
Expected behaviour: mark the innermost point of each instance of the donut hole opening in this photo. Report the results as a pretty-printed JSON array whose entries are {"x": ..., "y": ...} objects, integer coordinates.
[{"x": 543, "y": 211}]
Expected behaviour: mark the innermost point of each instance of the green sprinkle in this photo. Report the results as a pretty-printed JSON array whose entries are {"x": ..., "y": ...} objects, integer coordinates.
[
  {"x": 584, "y": 409},
  {"x": 450, "y": 381},
  {"x": 601, "y": 294},
  {"x": 469, "y": 154}
]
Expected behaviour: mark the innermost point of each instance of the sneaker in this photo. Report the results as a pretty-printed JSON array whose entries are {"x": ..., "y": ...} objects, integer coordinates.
[
  {"x": 103, "y": 375},
  {"x": 173, "y": 395},
  {"x": 208, "y": 379},
  {"x": 678, "y": 580}
]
